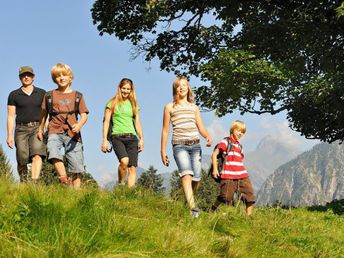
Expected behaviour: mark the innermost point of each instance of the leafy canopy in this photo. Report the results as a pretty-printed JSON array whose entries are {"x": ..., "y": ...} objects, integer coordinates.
[{"x": 256, "y": 56}]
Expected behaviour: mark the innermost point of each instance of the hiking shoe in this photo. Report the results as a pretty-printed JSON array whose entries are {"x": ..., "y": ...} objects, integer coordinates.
[{"x": 195, "y": 213}]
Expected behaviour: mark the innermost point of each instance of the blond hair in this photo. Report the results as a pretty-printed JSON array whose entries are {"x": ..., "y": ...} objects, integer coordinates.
[
  {"x": 63, "y": 69},
  {"x": 118, "y": 100},
  {"x": 176, "y": 84},
  {"x": 238, "y": 125}
]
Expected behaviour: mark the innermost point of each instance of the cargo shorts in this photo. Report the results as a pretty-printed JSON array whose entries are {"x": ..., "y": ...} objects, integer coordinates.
[
  {"x": 27, "y": 143},
  {"x": 243, "y": 186}
]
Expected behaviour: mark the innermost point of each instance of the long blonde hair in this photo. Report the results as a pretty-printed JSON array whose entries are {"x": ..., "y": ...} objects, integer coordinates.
[
  {"x": 117, "y": 100},
  {"x": 176, "y": 84}
]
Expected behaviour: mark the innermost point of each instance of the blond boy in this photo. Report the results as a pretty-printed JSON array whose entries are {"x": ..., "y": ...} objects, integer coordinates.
[
  {"x": 234, "y": 177},
  {"x": 63, "y": 105}
]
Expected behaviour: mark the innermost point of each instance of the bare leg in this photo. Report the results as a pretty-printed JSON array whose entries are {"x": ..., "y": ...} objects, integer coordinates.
[
  {"x": 188, "y": 192},
  {"x": 36, "y": 167},
  {"x": 22, "y": 172},
  {"x": 122, "y": 170},
  {"x": 249, "y": 208},
  {"x": 61, "y": 171},
  {"x": 132, "y": 176},
  {"x": 76, "y": 181}
]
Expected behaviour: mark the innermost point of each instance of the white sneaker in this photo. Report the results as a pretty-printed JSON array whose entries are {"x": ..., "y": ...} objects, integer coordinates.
[{"x": 195, "y": 213}]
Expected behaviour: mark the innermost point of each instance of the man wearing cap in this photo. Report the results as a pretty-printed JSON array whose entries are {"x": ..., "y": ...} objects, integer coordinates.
[{"x": 23, "y": 114}]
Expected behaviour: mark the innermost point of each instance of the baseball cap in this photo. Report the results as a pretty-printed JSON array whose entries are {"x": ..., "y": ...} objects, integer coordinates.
[{"x": 26, "y": 69}]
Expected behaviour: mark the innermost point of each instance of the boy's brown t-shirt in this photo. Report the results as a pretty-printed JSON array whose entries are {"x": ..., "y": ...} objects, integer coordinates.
[{"x": 64, "y": 102}]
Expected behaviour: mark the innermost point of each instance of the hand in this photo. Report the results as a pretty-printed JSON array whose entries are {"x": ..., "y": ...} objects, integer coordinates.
[
  {"x": 76, "y": 128},
  {"x": 105, "y": 147},
  {"x": 165, "y": 159},
  {"x": 40, "y": 135},
  {"x": 140, "y": 145},
  {"x": 215, "y": 173},
  {"x": 10, "y": 142},
  {"x": 209, "y": 141}
]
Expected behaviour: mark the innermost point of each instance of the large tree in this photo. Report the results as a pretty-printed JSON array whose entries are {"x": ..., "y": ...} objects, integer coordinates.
[{"x": 255, "y": 56}]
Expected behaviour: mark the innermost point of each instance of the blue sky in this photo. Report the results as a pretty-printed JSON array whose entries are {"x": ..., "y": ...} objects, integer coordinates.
[{"x": 42, "y": 33}]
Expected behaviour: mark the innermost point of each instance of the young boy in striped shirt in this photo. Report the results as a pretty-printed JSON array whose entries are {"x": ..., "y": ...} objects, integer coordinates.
[{"x": 234, "y": 177}]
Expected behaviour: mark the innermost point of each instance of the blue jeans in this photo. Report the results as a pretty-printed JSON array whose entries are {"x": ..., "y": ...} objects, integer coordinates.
[
  {"x": 188, "y": 159},
  {"x": 73, "y": 151}
]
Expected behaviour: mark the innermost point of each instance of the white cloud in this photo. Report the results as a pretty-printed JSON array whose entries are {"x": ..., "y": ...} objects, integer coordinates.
[{"x": 217, "y": 131}]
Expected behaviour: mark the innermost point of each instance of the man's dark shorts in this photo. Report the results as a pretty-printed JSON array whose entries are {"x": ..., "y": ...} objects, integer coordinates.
[
  {"x": 126, "y": 146},
  {"x": 27, "y": 143},
  {"x": 243, "y": 186}
]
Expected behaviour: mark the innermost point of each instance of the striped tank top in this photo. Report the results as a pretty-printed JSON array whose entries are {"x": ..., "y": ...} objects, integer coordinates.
[{"x": 183, "y": 120}]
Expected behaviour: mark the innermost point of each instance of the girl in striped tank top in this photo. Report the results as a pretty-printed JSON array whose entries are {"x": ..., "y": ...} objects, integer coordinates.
[{"x": 187, "y": 123}]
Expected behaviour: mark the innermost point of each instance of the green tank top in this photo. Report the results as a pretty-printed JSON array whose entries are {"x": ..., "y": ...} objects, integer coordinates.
[{"x": 122, "y": 118}]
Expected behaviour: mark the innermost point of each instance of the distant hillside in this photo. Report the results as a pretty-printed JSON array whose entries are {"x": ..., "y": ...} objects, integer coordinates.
[
  {"x": 268, "y": 156},
  {"x": 313, "y": 178}
]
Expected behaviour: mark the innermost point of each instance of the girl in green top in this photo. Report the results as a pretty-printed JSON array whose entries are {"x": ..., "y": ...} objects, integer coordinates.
[{"x": 123, "y": 110}]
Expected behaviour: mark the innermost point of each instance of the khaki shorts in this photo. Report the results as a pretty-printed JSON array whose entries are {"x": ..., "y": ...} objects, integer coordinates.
[
  {"x": 27, "y": 143},
  {"x": 243, "y": 186}
]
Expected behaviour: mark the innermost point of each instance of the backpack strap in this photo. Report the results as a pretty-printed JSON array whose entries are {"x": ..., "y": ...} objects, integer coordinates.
[
  {"x": 49, "y": 104},
  {"x": 78, "y": 96},
  {"x": 112, "y": 110},
  {"x": 229, "y": 146}
]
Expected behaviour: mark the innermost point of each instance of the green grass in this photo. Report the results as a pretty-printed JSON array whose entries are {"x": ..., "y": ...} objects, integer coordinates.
[{"x": 41, "y": 221}]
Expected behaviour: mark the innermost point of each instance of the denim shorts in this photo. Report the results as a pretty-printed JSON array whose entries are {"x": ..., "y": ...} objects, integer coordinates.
[
  {"x": 73, "y": 151},
  {"x": 188, "y": 159},
  {"x": 126, "y": 147},
  {"x": 27, "y": 143}
]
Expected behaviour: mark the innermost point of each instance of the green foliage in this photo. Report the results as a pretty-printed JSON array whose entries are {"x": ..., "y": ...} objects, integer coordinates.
[
  {"x": 176, "y": 187},
  {"x": 48, "y": 174},
  {"x": 151, "y": 180},
  {"x": 207, "y": 192},
  {"x": 55, "y": 221},
  {"x": 340, "y": 10},
  {"x": 336, "y": 206},
  {"x": 5, "y": 167},
  {"x": 258, "y": 56}
]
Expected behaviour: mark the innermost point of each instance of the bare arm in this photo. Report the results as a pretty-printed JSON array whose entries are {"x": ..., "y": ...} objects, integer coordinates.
[
  {"x": 164, "y": 133},
  {"x": 139, "y": 131},
  {"x": 77, "y": 127},
  {"x": 214, "y": 161},
  {"x": 201, "y": 128},
  {"x": 11, "y": 114},
  {"x": 42, "y": 124},
  {"x": 106, "y": 124}
]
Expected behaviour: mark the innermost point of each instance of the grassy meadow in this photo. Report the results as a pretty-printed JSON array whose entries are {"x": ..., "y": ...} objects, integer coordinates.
[{"x": 55, "y": 221}]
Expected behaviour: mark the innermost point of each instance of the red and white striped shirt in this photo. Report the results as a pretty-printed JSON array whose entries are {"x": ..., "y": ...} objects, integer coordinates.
[{"x": 234, "y": 167}]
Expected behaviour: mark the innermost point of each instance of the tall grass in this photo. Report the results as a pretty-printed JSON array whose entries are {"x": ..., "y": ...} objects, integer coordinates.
[{"x": 43, "y": 221}]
